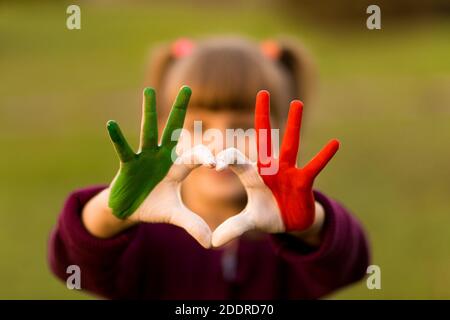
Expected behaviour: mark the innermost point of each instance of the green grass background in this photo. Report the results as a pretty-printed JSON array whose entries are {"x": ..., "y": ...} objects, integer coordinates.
[{"x": 385, "y": 94}]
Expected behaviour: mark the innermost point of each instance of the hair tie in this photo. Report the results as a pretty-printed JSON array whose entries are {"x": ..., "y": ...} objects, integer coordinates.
[
  {"x": 182, "y": 47},
  {"x": 271, "y": 49}
]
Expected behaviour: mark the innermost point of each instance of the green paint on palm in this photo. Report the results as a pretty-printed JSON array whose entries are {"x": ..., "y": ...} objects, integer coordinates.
[{"x": 140, "y": 172}]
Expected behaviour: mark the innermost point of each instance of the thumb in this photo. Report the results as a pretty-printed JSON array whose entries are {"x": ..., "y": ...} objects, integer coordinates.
[
  {"x": 189, "y": 160},
  {"x": 232, "y": 228},
  {"x": 194, "y": 225}
]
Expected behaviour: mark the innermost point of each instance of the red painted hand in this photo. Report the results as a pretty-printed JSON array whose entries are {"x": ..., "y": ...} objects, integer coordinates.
[
  {"x": 280, "y": 195},
  {"x": 291, "y": 186}
]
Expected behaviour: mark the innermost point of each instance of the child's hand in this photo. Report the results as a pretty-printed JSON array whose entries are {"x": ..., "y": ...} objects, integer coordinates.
[
  {"x": 277, "y": 202},
  {"x": 146, "y": 187}
]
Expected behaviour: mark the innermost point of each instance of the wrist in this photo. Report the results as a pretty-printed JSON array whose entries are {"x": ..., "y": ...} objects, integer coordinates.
[
  {"x": 99, "y": 219},
  {"x": 313, "y": 235}
]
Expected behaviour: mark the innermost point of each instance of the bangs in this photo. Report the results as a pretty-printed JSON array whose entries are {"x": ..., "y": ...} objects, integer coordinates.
[{"x": 226, "y": 76}]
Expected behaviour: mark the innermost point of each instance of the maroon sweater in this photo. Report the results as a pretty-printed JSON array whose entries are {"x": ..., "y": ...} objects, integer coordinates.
[{"x": 162, "y": 261}]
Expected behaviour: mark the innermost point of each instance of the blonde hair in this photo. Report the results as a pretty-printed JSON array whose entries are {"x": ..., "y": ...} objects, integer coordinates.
[{"x": 227, "y": 72}]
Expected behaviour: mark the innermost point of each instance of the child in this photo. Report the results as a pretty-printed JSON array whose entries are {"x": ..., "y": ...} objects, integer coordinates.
[{"x": 309, "y": 246}]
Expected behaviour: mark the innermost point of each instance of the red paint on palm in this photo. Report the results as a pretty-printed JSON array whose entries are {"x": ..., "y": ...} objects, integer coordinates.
[{"x": 291, "y": 186}]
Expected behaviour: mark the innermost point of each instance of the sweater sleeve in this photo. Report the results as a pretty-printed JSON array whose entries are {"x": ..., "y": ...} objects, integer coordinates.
[
  {"x": 341, "y": 259},
  {"x": 101, "y": 261}
]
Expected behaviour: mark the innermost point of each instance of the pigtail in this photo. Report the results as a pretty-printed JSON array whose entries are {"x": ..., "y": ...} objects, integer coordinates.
[
  {"x": 296, "y": 60},
  {"x": 161, "y": 58}
]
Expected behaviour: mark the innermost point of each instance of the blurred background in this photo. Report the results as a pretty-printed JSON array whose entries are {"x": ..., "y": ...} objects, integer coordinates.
[{"x": 384, "y": 93}]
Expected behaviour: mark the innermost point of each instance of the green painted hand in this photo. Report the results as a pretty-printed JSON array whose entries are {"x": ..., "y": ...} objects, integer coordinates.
[
  {"x": 140, "y": 173},
  {"x": 146, "y": 187}
]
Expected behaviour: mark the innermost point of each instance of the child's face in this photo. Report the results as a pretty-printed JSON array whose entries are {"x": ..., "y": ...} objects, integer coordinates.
[{"x": 210, "y": 184}]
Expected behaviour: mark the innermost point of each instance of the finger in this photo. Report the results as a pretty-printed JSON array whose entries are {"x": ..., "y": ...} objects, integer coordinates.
[
  {"x": 245, "y": 170},
  {"x": 194, "y": 225},
  {"x": 149, "y": 127},
  {"x": 231, "y": 229},
  {"x": 228, "y": 157},
  {"x": 176, "y": 117},
  {"x": 262, "y": 126},
  {"x": 189, "y": 160},
  {"x": 121, "y": 145},
  {"x": 322, "y": 158},
  {"x": 198, "y": 155},
  {"x": 291, "y": 139}
]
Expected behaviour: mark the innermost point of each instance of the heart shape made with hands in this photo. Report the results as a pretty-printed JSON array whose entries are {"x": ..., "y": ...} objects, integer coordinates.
[
  {"x": 279, "y": 201},
  {"x": 261, "y": 211},
  {"x": 164, "y": 204},
  {"x": 147, "y": 185}
]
